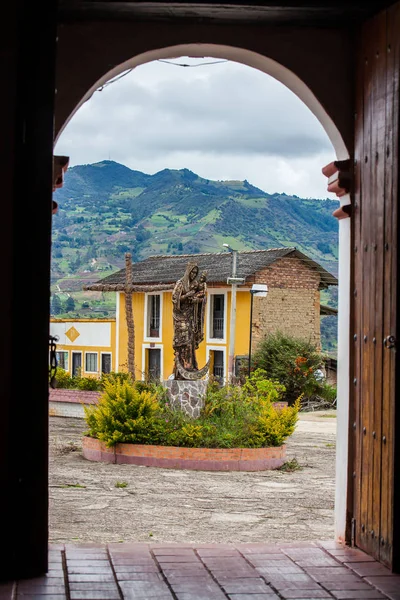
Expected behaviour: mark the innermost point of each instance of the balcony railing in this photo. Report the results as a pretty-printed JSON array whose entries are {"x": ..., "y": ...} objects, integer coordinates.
[
  {"x": 218, "y": 328},
  {"x": 218, "y": 371}
]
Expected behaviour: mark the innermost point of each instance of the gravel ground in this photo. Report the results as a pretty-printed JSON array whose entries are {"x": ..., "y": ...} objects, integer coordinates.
[{"x": 192, "y": 506}]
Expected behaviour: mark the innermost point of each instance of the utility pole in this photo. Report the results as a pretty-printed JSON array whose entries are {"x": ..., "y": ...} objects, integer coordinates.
[
  {"x": 260, "y": 290},
  {"x": 234, "y": 281}
]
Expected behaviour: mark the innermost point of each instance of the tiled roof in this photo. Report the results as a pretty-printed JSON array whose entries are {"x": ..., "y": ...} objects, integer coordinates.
[{"x": 158, "y": 270}]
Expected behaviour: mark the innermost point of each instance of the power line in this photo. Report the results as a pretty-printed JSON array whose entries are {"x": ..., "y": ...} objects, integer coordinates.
[
  {"x": 117, "y": 78},
  {"x": 167, "y": 62},
  {"x": 215, "y": 62}
]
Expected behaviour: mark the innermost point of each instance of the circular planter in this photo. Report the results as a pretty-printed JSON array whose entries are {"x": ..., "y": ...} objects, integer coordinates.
[{"x": 197, "y": 459}]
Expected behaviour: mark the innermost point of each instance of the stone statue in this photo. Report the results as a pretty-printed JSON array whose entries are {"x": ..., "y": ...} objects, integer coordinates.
[{"x": 189, "y": 299}]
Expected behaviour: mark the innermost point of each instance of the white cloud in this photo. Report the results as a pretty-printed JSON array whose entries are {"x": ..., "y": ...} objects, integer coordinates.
[{"x": 222, "y": 121}]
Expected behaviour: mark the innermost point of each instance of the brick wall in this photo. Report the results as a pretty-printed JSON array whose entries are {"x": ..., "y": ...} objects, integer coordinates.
[
  {"x": 293, "y": 302},
  {"x": 170, "y": 457}
]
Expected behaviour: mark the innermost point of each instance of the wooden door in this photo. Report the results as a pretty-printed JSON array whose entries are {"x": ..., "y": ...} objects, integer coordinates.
[
  {"x": 374, "y": 284},
  {"x": 106, "y": 363},
  {"x": 76, "y": 364},
  {"x": 154, "y": 364}
]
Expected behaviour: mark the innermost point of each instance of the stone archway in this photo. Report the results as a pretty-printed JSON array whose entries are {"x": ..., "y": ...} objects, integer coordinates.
[{"x": 291, "y": 80}]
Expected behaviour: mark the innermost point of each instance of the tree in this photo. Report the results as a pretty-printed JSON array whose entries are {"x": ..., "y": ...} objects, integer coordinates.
[
  {"x": 291, "y": 361},
  {"x": 70, "y": 304},
  {"x": 56, "y": 306}
]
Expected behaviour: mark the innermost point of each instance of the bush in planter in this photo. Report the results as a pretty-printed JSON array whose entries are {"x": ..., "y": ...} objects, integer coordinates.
[
  {"x": 90, "y": 384},
  {"x": 232, "y": 417},
  {"x": 235, "y": 416},
  {"x": 259, "y": 386},
  {"x": 64, "y": 379},
  {"x": 123, "y": 414},
  {"x": 114, "y": 376}
]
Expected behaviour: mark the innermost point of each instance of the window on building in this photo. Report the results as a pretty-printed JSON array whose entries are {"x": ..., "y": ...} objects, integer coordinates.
[
  {"x": 218, "y": 364},
  {"x": 106, "y": 362},
  {"x": 153, "y": 318},
  {"x": 91, "y": 362},
  {"x": 153, "y": 364},
  {"x": 62, "y": 359},
  {"x": 217, "y": 316}
]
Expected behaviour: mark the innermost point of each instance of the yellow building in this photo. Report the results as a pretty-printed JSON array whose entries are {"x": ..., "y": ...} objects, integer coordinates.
[
  {"x": 85, "y": 346},
  {"x": 291, "y": 306}
]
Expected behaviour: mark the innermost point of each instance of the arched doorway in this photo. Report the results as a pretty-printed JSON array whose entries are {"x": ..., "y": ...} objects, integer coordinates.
[
  {"x": 329, "y": 54},
  {"x": 297, "y": 86}
]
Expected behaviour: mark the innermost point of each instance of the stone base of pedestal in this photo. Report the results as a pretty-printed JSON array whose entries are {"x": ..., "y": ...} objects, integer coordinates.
[{"x": 186, "y": 395}]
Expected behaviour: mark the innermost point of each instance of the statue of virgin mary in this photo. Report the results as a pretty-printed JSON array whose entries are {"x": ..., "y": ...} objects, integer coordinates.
[{"x": 188, "y": 299}]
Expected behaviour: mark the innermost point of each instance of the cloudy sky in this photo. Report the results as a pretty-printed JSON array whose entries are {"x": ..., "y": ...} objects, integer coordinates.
[{"x": 222, "y": 121}]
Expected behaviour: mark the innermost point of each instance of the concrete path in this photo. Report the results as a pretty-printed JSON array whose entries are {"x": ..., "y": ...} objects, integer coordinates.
[{"x": 95, "y": 502}]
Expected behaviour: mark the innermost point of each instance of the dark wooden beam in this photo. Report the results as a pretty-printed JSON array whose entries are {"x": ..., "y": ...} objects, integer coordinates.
[
  {"x": 26, "y": 123},
  {"x": 298, "y": 12}
]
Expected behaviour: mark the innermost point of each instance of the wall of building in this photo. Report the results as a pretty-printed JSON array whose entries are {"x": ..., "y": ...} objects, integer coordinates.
[
  {"x": 100, "y": 47},
  {"x": 86, "y": 335},
  {"x": 292, "y": 306},
  {"x": 293, "y": 302}
]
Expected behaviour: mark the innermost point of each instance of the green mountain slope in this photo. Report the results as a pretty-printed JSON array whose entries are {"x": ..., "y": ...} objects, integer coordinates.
[{"x": 107, "y": 209}]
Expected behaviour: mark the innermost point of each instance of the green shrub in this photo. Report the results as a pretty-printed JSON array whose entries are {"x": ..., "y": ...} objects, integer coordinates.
[
  {"x": 88, "y": 383},
  {"x": 291, "y": 361},
  {"x": 114, "y": 376},
  {"x": 63, "y": 379},
  {"x": 123, "y": 415},
  {"x": 233, "y": 416},
  {"x": 258, "y": 385}
]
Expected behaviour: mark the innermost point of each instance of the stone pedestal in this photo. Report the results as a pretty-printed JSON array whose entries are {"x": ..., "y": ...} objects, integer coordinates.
[{"x": 186, "y": 395}]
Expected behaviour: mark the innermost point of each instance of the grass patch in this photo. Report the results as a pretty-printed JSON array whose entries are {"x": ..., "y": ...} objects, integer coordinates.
[
  {"x": 330, "y": 445},
  {"x": 290, "y": 466},
  {"x": 121, "y": 484},
  {"x": 327, "y": 416},
  {"x": 73, "y": 485}
]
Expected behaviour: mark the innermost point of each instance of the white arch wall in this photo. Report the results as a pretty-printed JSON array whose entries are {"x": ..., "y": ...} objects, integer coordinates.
[
  {"x": 302, "y": 91},
  {"x": 240, "y": 55}
]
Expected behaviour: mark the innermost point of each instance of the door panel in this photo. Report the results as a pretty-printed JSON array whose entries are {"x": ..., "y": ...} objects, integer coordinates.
[
  {"x": 106, "y": 363},
  {"x": 154, "y": 358},
  {"x": 76, "y": 363},
  {"x": 374, "y": 287}
]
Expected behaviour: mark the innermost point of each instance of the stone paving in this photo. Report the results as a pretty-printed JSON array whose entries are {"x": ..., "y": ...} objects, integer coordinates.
[{"x": 141, "y": 571}]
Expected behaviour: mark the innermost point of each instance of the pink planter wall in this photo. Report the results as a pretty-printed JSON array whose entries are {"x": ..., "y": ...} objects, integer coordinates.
[{"x": 201, "y": 459}]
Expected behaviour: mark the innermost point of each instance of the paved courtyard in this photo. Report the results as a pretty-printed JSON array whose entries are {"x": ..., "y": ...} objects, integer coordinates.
[
  {"x": 163, "y": 525},
  {"x": 96, "y": 502},
  {"x": 140, "y": 571}
]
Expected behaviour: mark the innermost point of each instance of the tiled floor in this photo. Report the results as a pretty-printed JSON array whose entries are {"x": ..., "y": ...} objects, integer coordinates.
[{"x": 207, "y": 572}]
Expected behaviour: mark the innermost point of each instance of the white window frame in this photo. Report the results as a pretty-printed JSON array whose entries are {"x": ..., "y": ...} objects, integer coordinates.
[
  {"x": 211, "y": 292},
  {"x": 111, "y": 361},
  {"x": 72, "y": 360},
  {"x": 67, "y": 353},
  {"x": 146, "y": 337},
  {"x": 210, "y": 349},
  {"x": 152, "y": 346},
  {"x": 97, "y": 362}
]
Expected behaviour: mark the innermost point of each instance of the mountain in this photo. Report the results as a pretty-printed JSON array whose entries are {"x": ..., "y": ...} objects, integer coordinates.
[{"x": 107, "y": 209}]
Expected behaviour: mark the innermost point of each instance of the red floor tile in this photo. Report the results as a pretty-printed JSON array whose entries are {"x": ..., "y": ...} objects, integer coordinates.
[{"x": 142, "y": 571}]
